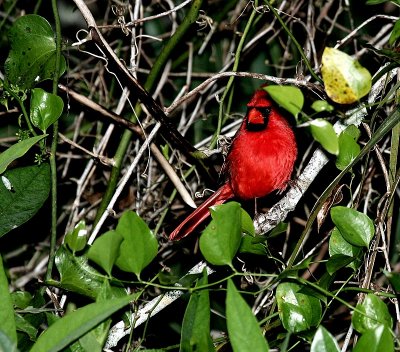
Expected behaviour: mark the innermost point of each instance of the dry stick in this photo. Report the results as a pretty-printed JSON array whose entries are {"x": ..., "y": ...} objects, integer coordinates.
[
  {"x": 119, "y": 330},
  {"x": 136, "y": 129},
  {"x": 169, "y": 130}
]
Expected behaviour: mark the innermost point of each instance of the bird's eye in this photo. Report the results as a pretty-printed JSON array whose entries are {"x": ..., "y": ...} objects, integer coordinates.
[{"x": 265, "y": 111}]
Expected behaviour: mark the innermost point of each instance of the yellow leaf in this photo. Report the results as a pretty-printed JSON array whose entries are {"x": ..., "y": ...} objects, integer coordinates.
[{"x": 346, "y": 81}]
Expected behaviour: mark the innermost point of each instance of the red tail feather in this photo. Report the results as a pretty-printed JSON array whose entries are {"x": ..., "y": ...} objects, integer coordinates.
[{"x": 193, "y": 220}]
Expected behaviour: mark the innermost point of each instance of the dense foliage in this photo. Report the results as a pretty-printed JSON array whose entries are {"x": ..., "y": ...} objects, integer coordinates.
[{"x": 116, "y": 117}]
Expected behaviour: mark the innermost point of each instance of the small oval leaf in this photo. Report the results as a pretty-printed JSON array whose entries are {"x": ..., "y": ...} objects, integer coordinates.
[
  {"x": 323, "y": 132},
  {"x": 46, "y": 108},
  {"x": 105, "y": 250},
  {"x": 220, "y": 240},
  {"x": 139, "y": 246},
  {"x": 297, "y": 311},
  {"x": 348, "y": 147},
  {"x": 321, "y": 105},
  {"x": 371, "y": 313},
  {"x": 377, "y": 340},
  {"x": 323, "y": 341},
  {"x": 288, "y": 97},
  {"x": 355, "y": 227},
  {"x": 346, "y": 81}
]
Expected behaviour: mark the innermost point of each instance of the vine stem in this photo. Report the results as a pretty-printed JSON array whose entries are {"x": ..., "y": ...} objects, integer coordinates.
[{"x": 53, "y": 149}]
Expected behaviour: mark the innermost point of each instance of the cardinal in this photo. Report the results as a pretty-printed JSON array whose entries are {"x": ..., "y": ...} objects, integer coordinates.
[{"x": 260, "y": 160}]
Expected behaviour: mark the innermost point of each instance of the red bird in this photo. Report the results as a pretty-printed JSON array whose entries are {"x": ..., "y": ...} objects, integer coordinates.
[{"x": 260, "y": 160}]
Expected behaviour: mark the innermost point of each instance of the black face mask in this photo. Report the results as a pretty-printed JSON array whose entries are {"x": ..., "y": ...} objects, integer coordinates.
[{"x": 259, "y": 126}]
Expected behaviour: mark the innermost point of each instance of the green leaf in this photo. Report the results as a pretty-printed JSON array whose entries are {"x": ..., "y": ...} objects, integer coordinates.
[
  {"x": 323, "y": 132},
  {"x": 17, "y": 150},
  {"x": 243, "y": 329},
  {"x": 46, "y": 108},
  {"x": 7, "y": 320},
  {"x": 395, "y": 35},
  {"x": 323, "y": 341},
  {"x": 31, "y": 187},
  {"x": 220, "y": 240},
  {"x": 77, "y": 238},
  {"x": 25, "y": 326},
  {"x": 337, "y": 262},
  {"x": 378, "y": 340},
  {"x": 355, "y": 227},
  {"x": 250, "y": 245},
  {"x": 346, "y": 81},
  {"x": 195, "y": 334},
  {"x": 247, "y": 223},
  {"x": 21, "y": 299},
  {"x": 74, "y": 325},
  {"x": 6, "y": 344},
  {"x": 370, "y": 314},
  {"x": 321, "y": 105},
  {"x": 297, "y": 311},
  {"x": 339, "y": 246},
  {"x": 78, "y": 276},
  {"x": 348, "y": 147},
  {"x": 288, "y": 97},
  {"x": 139, "y": 246},
  {"x": 32, "y": 58},
  {"x": 394, "y": 279},
  {"x": 105, "y": 250},
  {"x": 376, "y": 2}
]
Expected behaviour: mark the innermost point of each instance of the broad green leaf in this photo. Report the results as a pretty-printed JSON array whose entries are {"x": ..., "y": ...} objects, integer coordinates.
[
  {"x": 74, "y": 325},
  {"x": 7, "y": 320},
  {"x": 6, "y": 344},
  {"x": 337, "y": 262},
  {"x": 395, "y": 35},
  {"x": 247, "y": 223},
  {"x": 323, "y": 132},
  {"x": 46, "y": 108},
  {"x": 371, "y": 313},
  {"x": 78, "y": 276},
  {"x": 377, "y": 340},
  {"x": 77, "y": 238},
  {"x": 321, "y": 105},
  {"x": 31, "y": 187},
  {"x": 323, "y": 341},
  {"x": 17, "y": 150},
  {"x": 220, "y": 240},
  {"x": 355, "y": 227},
  {"x": 249, "y": 244},
  {"x": 348, "y": 147},
  {"x": 297, "y": 311},
  {"x": 346, "y": 81},
  {"x": 105, "y": 250},
  {"x": 288, "y": 97},
  {"x": 394, "y": 279},
  {"x": 25, "y": 326},
  {"x": 32, "y": 57},
  {"x": 339, "y": 246},
  {"x": 195, "y": 335},
  {"x": 243, "y": 329},
  {"x": 139, "y": 246}
]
